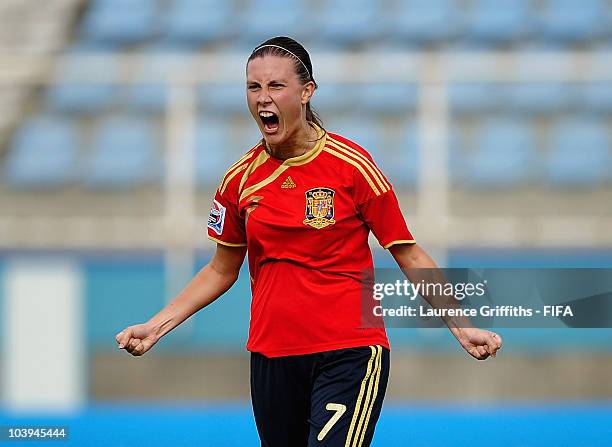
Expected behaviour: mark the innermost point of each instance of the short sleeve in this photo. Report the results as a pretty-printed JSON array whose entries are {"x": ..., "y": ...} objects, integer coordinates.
[
  {"x": 378, "y": 207},
  {"x": 225, "y": 226}
]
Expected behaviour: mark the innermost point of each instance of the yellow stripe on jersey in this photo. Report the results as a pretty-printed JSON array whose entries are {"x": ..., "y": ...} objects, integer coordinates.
[
  {"x": 312, "y": 153},
  {"x": 245, "y": 156},
  {"x": 227, "y": 177},
  {"x": 357, "y": 165},
  {"x": 295, "y": 161},
  {"x": 378, "y": 176},
  {"x": 231, "y": 176},
  {"x": 229, "y": 244},
  {"x": 373, "y": 386},
  {"x": 364, "y": 383},
  {"x": 399, "y": 241},
  {"x": 266, "y": 181},
  {"x": 257, "y": 162},
  {"x": 364, "y": 162}
]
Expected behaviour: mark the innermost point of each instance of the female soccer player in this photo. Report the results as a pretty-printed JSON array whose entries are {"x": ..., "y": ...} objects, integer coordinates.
[{"x": 303, "y": 202}]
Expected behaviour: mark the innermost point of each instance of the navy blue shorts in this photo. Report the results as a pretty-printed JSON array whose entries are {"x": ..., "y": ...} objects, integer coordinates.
[{"x": 326, "y": 399}]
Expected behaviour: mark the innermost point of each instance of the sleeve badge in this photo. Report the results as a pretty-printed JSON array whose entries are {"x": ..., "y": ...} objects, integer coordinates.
[{"x": 216, "y": 219}]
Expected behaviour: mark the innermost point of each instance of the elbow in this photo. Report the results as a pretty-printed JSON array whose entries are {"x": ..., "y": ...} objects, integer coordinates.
[
  {"x": 230, "y": 279},
  {"x": 413, "y": 257},
  {"x": 407, "y": 256},
  {"x": 225, "y": 277}
]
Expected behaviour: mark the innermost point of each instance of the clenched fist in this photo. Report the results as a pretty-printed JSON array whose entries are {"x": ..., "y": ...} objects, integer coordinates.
[
  {"x": 480, "y": 343},
  {"x": 137, "y": 339}
]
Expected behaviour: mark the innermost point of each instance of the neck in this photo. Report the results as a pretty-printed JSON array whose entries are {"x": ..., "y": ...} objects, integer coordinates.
[{"x": 297, "y": 144}]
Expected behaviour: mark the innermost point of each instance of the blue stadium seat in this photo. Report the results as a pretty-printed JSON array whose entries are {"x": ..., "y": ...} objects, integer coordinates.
[
  {"x": 196, "y": 22},
  {"x": 223, "y": 98},
  {"x": 597, "y": 97},
  {"x": 264, "y": 19},
  {"x": 539, "y": 97},
  {"x": 424, "y": 21},
  {"x": 579, "y": 154},
  {"x": 387, "y": 98},
  {"x": 43, "y": 154},
  {"x": 125, "y": 153},
  {"x": 473, "y": 97},
  {"x": 213, "y": 151},
  {"x": 120, "y": 22},
  {"x": 403, "y": 163},
  {"x": 349, "y": 22},
  {"x": 152, "y": 96},
  {"x": 504, "y": 155},
  {"x": 573, "y": 21},
  {"x": 334, "y": 97},
  {"x": 498, "y": 21},
  {"x": 79, "y": 88},
  {"x": 147, "y": 98}
]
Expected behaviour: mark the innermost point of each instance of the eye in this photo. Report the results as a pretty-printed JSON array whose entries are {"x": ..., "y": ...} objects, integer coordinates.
[
  {"x": 253, "y": 87},
  {"x": 276, "y": 86}
]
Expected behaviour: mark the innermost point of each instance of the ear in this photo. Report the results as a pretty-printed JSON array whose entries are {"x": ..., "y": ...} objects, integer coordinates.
[{"x": 307, "y": 92}]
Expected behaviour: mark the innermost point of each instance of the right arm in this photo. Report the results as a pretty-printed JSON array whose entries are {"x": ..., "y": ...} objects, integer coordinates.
[{"x": 206, "y": 286}]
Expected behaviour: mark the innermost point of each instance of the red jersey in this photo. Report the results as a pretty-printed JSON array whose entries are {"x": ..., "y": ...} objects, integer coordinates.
[{"x": 305, "y": 222}]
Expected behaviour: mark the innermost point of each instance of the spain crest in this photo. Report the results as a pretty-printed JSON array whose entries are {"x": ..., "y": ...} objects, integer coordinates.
[{"x": 320, "y": 207}]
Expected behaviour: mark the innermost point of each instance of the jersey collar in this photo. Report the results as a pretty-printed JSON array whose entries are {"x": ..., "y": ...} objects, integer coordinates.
[{"x": 307, "y": 156}]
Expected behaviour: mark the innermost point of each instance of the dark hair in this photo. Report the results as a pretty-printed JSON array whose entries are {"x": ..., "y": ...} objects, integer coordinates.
[{"x": 287, "y": 47}]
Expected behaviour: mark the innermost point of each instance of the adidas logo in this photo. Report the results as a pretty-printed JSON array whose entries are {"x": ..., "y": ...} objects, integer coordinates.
[{"x": 288, "y": 183}]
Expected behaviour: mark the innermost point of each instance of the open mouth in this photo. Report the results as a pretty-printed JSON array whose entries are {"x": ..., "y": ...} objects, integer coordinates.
[{"x": 269, "y": 120}]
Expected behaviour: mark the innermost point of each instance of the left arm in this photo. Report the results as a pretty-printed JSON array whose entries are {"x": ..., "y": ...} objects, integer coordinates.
[{"x": 479, "y": 343}]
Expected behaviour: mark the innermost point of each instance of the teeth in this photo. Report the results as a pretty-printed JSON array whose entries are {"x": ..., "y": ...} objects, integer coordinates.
[{"x": 266, "y": 114}]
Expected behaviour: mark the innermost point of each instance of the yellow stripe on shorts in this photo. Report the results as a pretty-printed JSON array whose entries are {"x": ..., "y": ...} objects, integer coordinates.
[{"x": 366, "y": 386}]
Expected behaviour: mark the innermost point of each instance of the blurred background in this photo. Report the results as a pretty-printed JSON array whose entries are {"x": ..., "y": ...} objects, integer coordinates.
[{"x": 118, "y": 118}]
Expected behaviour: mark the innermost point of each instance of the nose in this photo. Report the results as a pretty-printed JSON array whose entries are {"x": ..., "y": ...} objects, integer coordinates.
[{"x": 264, "y": 96}]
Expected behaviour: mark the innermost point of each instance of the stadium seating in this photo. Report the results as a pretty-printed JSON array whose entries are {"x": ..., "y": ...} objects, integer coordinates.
[
  {"x": 147, "y": 98},
  {"x": 172, "y": 27},
  {"x": 579, "y": 154},
  {"x": 402, "y": 167},
  {"x": 125, "y": 153},
  {"x": 152, "y": 97},
  {"x": 223, "y": 98},
  {"x": 573, "y": 21},
  {"x": 349, "y": 22},
  {"x": 498, "y": 21},
  {"x": 387, "y": 98},
  {"x": 43, "y": 154},
  {"x": 596, "y": 97},
  {"x": 196, "y": 22},
  {"x": 77, "y": 90},
  {"x": 423, "y": 22},
  {"x": 472, "y": 97},
  {"x": 334, "y": 97},
  {"x": 504, "y": 155},
  {"x": 267, "y": 18},
  {"x": 111, "y": 23},
  {"x": 539, "y": 97},
  {"x": 190, "y": 23},
  {"x": 212, "y": 155}
]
